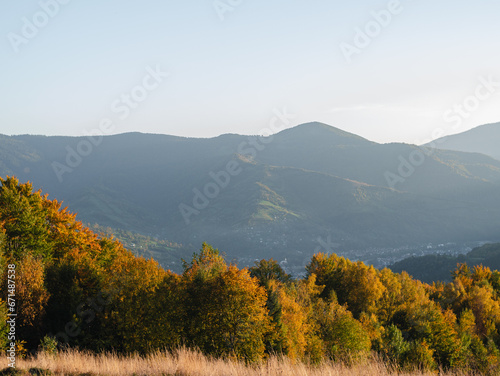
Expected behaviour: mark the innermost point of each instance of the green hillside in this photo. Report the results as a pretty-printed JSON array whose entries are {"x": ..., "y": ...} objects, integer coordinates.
[{"x": 431, "y": 268}]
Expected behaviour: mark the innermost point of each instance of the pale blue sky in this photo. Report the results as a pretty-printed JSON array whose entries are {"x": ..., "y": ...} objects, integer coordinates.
[{"x": 227, "y": 76}]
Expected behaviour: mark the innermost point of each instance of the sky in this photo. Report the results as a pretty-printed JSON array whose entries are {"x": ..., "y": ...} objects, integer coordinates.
[{"x": 390, "y": 71}]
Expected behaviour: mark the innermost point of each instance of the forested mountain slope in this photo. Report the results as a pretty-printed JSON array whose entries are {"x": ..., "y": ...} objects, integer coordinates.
[{"x": 273, "y": 196}]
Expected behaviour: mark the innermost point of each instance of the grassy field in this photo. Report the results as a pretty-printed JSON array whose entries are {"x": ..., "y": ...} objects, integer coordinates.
[{"x": 188, "y": 363}]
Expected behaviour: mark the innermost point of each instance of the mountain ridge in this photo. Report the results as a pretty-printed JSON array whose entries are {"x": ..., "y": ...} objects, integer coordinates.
[
  {"x": 260, "y": 197},
  {"x": 483, "y": 139}
]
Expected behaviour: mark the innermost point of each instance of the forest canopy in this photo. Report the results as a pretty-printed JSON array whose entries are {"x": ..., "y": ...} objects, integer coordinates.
[{"x": 86, "y": 290}]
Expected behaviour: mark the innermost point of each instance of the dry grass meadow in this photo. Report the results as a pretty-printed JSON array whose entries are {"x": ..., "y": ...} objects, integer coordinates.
[{"x": 188, "y": 363}]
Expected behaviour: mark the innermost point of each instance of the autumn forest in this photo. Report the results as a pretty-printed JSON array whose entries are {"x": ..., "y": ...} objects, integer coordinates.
[{"x": 78, "y": 289}]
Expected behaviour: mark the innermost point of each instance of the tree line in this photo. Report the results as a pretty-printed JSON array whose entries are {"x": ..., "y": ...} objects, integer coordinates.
[{"x": 86, "y": 290}]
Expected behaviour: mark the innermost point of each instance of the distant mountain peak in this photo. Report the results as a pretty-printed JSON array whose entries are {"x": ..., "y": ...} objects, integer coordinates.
[
  {"x": 483, "y": 139},
  {"x": 318, "y": 130}
]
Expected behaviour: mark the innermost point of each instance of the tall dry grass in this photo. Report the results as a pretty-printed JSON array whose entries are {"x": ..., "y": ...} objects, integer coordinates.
[{"x": 185, "y": 362}]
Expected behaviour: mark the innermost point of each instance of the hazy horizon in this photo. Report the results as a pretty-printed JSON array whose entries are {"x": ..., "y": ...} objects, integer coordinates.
[
  {"x": 389, "y": 71},
  {"x": 240, "y": 134}
]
